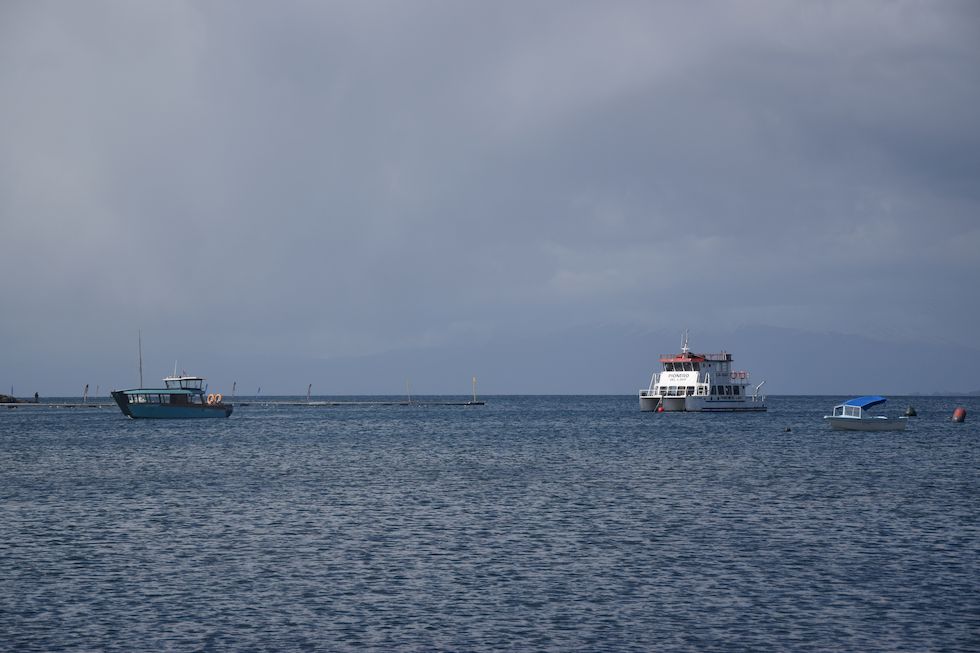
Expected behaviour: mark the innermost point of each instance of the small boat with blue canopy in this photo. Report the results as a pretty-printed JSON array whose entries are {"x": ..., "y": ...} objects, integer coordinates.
[
  {"x": 183, "y": 397},
  {"x": 852, "y": 415}
]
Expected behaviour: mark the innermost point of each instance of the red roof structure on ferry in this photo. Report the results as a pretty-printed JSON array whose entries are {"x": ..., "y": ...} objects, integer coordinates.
[{"x": 682, "y": 358}]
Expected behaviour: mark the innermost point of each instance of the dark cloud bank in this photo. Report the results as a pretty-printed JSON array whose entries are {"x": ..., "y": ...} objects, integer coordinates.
[{"x": 543, "y": 195}]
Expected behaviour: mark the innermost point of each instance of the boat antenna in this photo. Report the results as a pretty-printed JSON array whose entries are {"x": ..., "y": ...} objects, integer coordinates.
[
  {"x": 175, "y": 367},
  {"x": 141, "y": 357},
  {"x": 684, "y": 348}
]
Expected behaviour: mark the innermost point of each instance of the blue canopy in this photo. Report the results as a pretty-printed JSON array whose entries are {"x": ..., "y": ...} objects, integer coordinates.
[{"x": 865, "y": 402}]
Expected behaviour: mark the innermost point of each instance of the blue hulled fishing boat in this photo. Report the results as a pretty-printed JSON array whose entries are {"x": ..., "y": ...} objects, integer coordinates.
[{"x": 182, "y": 398}]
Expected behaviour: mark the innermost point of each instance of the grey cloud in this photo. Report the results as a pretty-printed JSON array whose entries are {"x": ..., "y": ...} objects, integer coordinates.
[{"x": 312, "y": 181}]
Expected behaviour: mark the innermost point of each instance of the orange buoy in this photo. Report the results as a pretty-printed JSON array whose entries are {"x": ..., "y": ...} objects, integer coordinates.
[{"x": 959, "y": 414}]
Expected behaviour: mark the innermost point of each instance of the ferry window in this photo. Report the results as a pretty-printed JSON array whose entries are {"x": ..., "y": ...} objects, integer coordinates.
[
  {"x": 697, "y": 367},
  {"x": 737, "y": 390},
  {"x": 164, "y": 399},
  {"x": 690, "y": 389}
]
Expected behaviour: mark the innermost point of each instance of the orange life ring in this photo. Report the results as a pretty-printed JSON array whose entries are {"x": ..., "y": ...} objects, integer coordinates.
[
  {"x": 217, "y": 398},
  {"x": 210, "y": 400}
]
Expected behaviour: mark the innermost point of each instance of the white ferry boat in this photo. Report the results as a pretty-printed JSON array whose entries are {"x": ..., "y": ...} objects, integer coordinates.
[{"x": 700, "y": 383}]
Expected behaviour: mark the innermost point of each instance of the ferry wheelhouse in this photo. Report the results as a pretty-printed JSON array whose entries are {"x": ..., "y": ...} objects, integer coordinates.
[
  {"x": 182, "y": 397},
  {"x": 700, "y": 383}
]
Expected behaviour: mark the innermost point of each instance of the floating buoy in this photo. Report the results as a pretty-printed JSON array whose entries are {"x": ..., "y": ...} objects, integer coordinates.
[
  {"x": 910, "y": 412},
  {"x": 660, "y": 409},
  {"x": 959, "y": 414}
]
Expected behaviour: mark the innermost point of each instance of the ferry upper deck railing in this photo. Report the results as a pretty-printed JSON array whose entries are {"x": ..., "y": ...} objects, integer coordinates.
[{"x": 722, "y": 357}]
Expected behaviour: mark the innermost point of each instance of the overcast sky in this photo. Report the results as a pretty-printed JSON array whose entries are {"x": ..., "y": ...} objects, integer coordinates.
[{"x": 318, "y": 180}]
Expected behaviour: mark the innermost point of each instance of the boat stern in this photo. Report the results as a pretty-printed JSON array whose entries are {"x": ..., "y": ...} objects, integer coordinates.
[{"x": 648, "y": 401}]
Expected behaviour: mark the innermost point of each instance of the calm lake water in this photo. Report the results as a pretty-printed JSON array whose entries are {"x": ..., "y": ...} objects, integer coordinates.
[{"x": 531, "y": 523}]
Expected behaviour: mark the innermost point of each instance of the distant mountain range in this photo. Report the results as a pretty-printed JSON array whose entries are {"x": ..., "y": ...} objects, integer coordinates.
[
  {"x": 620, "y": 360},
  {"x": 609, "y": 359}
]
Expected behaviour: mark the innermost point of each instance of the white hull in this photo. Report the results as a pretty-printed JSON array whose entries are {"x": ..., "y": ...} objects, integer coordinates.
[
  {"x": 648, "y": 404},
  {"x": 694, "y": 404},
  {"x": 867, "y": 423},
  {"x": 651, "y": 403}
]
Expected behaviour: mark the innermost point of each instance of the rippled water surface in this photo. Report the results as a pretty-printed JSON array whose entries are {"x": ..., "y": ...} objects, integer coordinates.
[{"x": 531, "y": 523}]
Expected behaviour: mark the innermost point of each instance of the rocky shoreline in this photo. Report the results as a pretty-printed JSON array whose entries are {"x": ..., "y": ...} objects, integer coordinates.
[{"x": 7, "y": 399}]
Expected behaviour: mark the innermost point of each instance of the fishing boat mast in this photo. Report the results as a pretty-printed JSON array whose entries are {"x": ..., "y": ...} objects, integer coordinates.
[{"x": 141, "y": 357}]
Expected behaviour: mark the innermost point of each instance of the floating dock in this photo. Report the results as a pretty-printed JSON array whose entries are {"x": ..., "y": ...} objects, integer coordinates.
[
  {"x": 57, "y": 404},
  {"x": 365, "y": 402},
  {"x": 265, "y": 403}
]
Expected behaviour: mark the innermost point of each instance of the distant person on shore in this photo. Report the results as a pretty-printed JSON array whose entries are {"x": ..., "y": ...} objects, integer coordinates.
[{"x": 36, "y": 398}]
